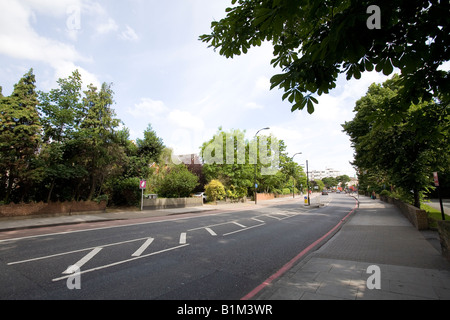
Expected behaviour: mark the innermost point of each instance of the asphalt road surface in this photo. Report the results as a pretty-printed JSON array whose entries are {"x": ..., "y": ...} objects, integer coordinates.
[{"x": 214, "y": 257}]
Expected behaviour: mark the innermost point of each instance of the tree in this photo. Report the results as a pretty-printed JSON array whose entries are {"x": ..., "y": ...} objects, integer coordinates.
[
  {"x": 19, "y": 139},
  {"x": 178, "y": 183},
  {"x": 403, "y": 150},
  {"x": 97, "y": 135},
  {"x": 61, "y": 115},
  {"x": 231, "y": 151},
  {"x": 151, "y": 146},
  {"x": 315, "y": 41},
  {"x": 330, "y": 182},
  {"x": 343, "y": 180}
]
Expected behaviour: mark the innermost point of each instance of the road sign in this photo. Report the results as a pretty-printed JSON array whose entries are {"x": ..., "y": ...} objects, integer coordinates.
[
  {"x": 143, "y": 185},
  {"x": 436, "y": 179}
]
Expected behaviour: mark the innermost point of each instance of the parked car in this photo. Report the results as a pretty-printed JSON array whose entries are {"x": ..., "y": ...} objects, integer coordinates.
[
  {"x": 324, "y": 192},
  {"x": 201, "y": 195}
]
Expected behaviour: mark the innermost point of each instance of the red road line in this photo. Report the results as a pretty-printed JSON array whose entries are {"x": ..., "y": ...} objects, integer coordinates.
[{"x": 291, "y": 263}]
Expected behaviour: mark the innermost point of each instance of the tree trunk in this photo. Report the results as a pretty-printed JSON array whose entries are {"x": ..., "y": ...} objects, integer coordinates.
[
  {"x": 416, "y": 198},
  {"x": 51, "y": 191}
]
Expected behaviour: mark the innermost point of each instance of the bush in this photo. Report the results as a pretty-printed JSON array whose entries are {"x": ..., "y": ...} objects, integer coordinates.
[
  {"x": 124, "y": 192},
  {"x": 215, "y": 190},
  {"x": 236, "y": 193},
  {"x": 178, "y": 183},
  {"x": 385, "y": 193}
]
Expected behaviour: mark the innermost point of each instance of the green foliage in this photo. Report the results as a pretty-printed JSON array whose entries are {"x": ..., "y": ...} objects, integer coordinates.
[
  {"x": 236, "y": 193},
  {"x": 316, "y": 41},
  {"x": 178, "y": 183},
  {"x": 151, "y": 146},
  {"x": 65, "y": 145},
  {"x": 236, "y": 167},
  {"x": 215, "y": 191},
  {"x": 124, "y": 192},
  {"x": 401, "y": 150},
  {"x": 20, "y": 139}
]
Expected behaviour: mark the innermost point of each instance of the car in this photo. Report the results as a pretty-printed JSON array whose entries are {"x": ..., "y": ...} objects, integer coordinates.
[
  {"x": 201, "y": 195},
  {"x": 324, "y": 192}
]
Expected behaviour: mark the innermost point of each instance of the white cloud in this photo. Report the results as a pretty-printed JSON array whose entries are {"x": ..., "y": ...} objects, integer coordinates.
[
  {"x": 253, "y": 106},
  {"x": 129, "y": 34},
  {"x": 148, "y": 107},
  {"x": 185, "y": 120},
  {"x": 263, "y": 84},
  {"x": 19, "y": 40},
  {"x": 108, "y": 26}
]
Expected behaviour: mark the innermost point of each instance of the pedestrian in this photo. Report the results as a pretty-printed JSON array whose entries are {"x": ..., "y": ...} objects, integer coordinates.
[{"x": 374, "y": 196}]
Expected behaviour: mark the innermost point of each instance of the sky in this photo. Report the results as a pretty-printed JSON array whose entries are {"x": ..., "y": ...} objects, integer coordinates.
[{"x": 164, "y": 76}]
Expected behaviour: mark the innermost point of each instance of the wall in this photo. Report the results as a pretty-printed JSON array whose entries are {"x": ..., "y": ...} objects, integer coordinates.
[
  {"x": 444, "y": 234},
  {"x": 162, "y": 203},
  {"x": 52, "y": 208}
]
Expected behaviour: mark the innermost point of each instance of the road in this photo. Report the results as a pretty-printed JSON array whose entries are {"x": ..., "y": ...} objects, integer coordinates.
[{"x": 221, "y": 256}]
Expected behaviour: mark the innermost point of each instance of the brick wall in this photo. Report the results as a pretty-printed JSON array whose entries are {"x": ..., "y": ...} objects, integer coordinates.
[
  {"x": 444, "y": 234},
  {"x": 52, "y": 208}
]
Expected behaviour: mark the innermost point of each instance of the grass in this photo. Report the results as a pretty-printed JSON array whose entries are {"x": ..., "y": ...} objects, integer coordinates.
[{"x": 433, "y": 215}]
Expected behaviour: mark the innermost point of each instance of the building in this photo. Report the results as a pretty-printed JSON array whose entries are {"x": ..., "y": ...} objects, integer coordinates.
[{"x": 320, "y": 174}]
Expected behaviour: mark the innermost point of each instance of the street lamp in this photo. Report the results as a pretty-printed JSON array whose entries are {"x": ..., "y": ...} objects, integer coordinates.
[
  {"x": 256, "y": 164},
  {"x": 307, "y": 182},
  {"x": 293, "y": 186}
]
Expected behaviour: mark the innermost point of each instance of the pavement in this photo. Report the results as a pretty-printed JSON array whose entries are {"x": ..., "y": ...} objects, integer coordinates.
[
  {"x": 376, "y": 247},
  {"x": 408, "y": 263}
]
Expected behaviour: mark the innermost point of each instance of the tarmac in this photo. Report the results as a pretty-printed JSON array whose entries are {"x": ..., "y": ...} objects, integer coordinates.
[{"x": 376, "y": 254}]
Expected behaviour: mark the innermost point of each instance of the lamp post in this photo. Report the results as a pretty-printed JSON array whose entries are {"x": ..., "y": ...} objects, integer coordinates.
[
  {"x": 293, "y": 186},
  {"x": 307, "y": 182},
  {"x": 256, "y": 164}
]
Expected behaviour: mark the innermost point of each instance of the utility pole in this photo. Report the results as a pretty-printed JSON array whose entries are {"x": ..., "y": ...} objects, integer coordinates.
[
  {"x": 307, "y": 182},
  {"x": 293, "y": 184},
  {"x": 256, "y": 165}
]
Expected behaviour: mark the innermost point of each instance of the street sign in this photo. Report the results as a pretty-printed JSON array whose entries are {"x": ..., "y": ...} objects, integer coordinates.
[
  {"x": 436, "y": 179},
  {"x": 143, "y": 185},
  {"x": 256, "y": 186}
]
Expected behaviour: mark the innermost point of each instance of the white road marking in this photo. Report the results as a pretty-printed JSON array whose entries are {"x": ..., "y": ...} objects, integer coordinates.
[
  {"x": 258, "y": 220},
  {"x": 270, "y": 216},
  {"x": 245, "y": 229},
  {"x": 183, "y": 238},
  {"x": 121, "y": 262},
  {"x": 84, "y": 260},
  {"x": 143, "y": 247},
  {"x": 211, "y": 232},
  {"x": 240, "y": 225},
  {"x": 76, "y": 251}
]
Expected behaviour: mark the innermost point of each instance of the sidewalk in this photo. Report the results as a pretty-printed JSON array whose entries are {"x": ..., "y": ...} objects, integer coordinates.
[{"x": 378, "y": 234}]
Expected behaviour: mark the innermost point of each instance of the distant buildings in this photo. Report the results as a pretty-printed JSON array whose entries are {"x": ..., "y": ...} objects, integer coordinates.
[{"x": 320, "y": 174}]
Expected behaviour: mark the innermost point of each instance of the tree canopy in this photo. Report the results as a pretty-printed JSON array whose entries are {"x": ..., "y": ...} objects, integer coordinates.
[
  {"x": 400, "y": 151},
  {"x": 65, "y": 144},
  {"x": 316, "y": 41}
]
